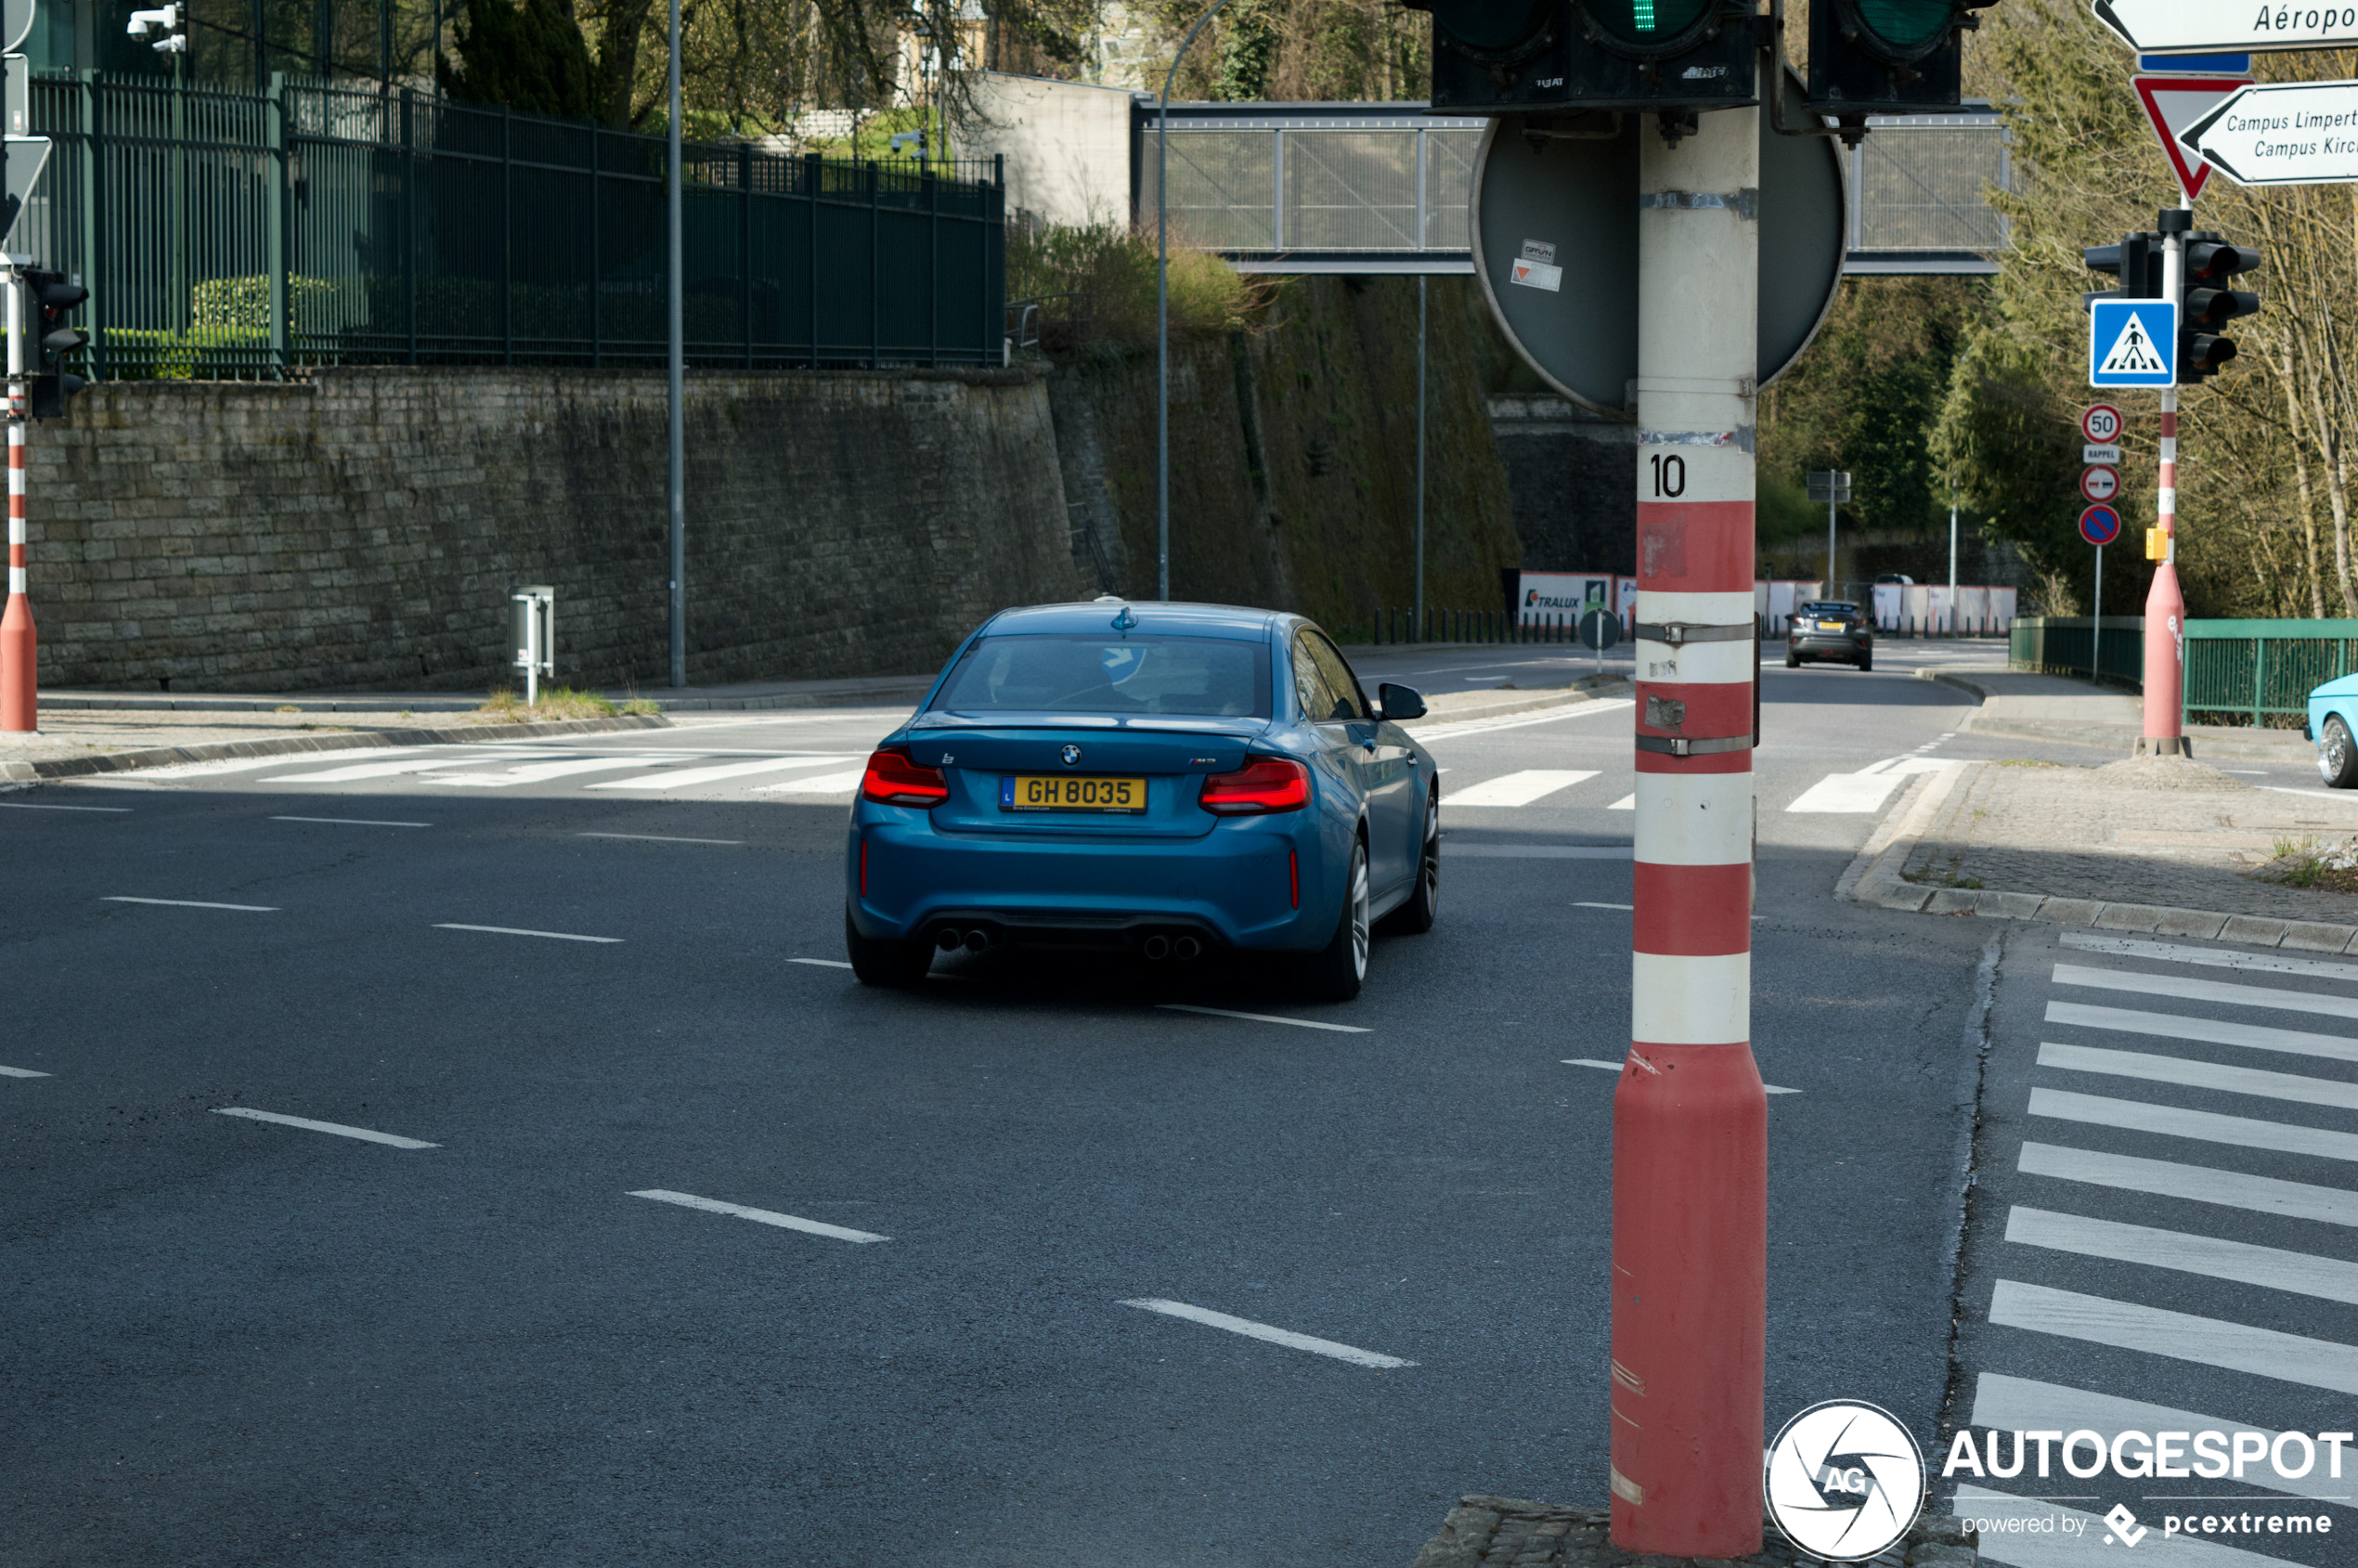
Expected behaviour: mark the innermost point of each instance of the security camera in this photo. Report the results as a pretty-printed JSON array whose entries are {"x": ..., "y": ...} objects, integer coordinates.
[{"x": 167, "y": 19}]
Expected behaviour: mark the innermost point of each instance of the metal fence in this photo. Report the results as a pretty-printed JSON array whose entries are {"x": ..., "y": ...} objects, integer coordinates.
[
  {"x": 229, "y": 233},
  {"x": 2067, "y": 645},
  {"x": 2261, "y": 672}
]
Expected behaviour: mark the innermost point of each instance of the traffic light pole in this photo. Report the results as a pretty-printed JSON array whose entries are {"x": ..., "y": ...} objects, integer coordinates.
[
  {"x": 20, "y": 652},
  {"x": 2165, "y": 605},
  {"x": 1689, "y": 1148}
]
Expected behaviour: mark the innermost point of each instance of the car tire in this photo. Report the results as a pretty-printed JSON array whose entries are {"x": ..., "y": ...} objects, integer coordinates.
[
  {"x": 1793, "y": 660},
  {"x": 1415, "y": 917},
  {"x": 2336, "y": 755},
  {"x": 1866, "y": 662},
  {"x": 885, "y": 961},
  {"x": 1335, "y": 972}
]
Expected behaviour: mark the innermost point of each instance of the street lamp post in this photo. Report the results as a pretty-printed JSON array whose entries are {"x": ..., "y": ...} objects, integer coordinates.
[
  {"x": 1162, "y": 311},
  {"x": 676, "y": 485}
]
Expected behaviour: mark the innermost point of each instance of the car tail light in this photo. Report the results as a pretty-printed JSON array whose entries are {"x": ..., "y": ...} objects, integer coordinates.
[
  {"x": 1265, "y": 783},
  {"x": 893, "y": 780}
]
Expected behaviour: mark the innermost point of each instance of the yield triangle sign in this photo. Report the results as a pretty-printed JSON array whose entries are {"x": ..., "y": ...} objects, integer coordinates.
[{"x": 2174, "y": 103}]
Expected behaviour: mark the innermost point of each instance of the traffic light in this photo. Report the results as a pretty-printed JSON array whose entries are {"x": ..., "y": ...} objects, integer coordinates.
[
  {"x": 1888, "y": 56},
  {"x": 49, "y": 297},
  {"x": 2136, "y": 261},
  {"x": 2211, "y": 262},
  {"x": 1509, "y": 54}
]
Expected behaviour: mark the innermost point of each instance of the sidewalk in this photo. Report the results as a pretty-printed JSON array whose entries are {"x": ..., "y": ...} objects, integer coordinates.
[
  {"x": 2161, "y": 845},
  {"x": 2054, "y": 708},
  {"x": 1485, "y": 1532}
]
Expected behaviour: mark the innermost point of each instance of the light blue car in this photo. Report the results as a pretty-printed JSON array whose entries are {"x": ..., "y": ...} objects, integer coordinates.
[
  {"x": 2333, "y": 718},
  {"x": 1167, "y": 781}
]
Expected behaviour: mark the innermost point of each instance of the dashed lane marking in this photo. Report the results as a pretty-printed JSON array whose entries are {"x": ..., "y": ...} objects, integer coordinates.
[
  {"x": 364, "y": 1133},
  {"x": 1266, "y": 1332},
  {"x": 518, "y": 931},
  {"x": 29, "y": 806},
  {"x": 20, "y": 1072},
  {"x": 1583, "y": 903},
  {"x": 189, "y": 903},
  {"x": 760, "y": 1216},
  {"x": 1615, "y": 1067},
  {"x": 822, "y": 963},
  {"x": 658, "y": 838},
  {"x": 1262, "y": 1017},
  {"x": 350, "y": 822}
]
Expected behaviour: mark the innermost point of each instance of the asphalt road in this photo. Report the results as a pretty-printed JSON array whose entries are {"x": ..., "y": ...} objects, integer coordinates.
[{"x": 585, "y": 971}]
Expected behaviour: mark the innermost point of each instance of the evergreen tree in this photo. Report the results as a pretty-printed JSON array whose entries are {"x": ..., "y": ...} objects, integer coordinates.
[{"x": 527, "y": 55}]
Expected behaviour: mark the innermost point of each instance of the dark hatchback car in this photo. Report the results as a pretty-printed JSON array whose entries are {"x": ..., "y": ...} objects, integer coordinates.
[{"x": 1830, "y": 630}]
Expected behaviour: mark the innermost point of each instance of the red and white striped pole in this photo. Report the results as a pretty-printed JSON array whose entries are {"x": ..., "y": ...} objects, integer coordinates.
[
  {"x": 1690, "y": 1119},
  {"x": 19, "y": 653},
  {"x": 2165, "y": 605}
]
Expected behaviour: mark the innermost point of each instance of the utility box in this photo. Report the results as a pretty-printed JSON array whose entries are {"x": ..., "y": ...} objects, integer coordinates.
[{"x": 532, "y": 636}]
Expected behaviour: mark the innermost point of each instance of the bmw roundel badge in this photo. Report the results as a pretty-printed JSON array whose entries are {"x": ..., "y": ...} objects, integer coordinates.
[{"x": 1072, "y": 755}]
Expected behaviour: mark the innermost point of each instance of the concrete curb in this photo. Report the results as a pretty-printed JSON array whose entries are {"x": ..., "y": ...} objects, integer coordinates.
[
  {"x": 295, "y": 746},
  {"x": 2208, "y": 740},
  {"x": 1873, "y": 879}
]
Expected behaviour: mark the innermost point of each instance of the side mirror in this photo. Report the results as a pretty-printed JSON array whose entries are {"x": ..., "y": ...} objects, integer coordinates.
[{"x": 1400, "y": 703}]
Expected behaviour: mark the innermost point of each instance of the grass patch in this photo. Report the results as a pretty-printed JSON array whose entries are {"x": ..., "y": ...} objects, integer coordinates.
[
  {"x": 2304, "y": 863},
  {"x": 503, "y": 706}
]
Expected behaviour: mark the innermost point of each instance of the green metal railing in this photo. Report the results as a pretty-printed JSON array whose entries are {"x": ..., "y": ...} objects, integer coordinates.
[
  {"x": 225, "y": 233},
  {"x": 2066, "y": 645},
  {"x": 2260, "y": 671}
]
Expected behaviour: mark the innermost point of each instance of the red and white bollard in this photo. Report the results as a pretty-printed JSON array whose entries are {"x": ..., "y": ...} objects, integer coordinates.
[
  {"x": 1690, "y": 1119},
  {"x": 19, "y": 651}
]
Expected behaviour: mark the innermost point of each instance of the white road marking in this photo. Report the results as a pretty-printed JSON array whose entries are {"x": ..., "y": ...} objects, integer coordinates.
[
  {"x": 688, "y": 776},
  {"x": 2025, "y": 1405},
  {"x": 2256, "y": 1081},
  {"x": 657, "y": 837},
  {"x": 2174, "y": 1122},
  {"x": 1626, "y": 803},
  {"x": 29, "y": 806},
  {"x": 760, "y": 1216},
  {"x": 1252, "y": 1331},
  {"x": 2256, "y": 1037},
  {"x": 338, "y": 1128},
  {"x": 1616, "y": 1066},
  {"x": 826, "y": 783},
  {"x": 2197, "y": 1184},
  {"x": 540, "y": 772},
  {"x": 1540, "y": 851},
  {"x": 1846, "y": 791},
  {"x": 1519, "y": 789},
  {"x": 2208, "y": 1341},
  {"x": 2270, "y": 1267},
  {"x": 20, "y": 1072},
  {"x": 350, "y": 822},
  {"x": 1430, "y": 733},
  {"x": 189, "y": 903},
  {"x": 515, "y": 931},
  {"x": 2206, "y": 990},
  {"x": 1905, "y": 767},
  {"x": 1262, "y": 1017},
  {"x": 389, "y": 769},
  {"x": 254, "y": 764},
  {"x": 1583, "y": 903},
  {"x": 822, "y": 963},
  {"x": 2050, "y": 1536},
  {"x": 2216, "y": 958}
]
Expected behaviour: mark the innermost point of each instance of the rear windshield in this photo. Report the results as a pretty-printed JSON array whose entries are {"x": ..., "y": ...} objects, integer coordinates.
[
  {"x": 1829, "y": 609},
  {"x": 1074, "y": 674}
]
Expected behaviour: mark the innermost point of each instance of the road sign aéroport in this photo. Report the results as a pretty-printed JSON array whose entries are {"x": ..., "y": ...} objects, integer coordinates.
[
  {"x": 2199, "y": 26},
  {"x": 2102, "y": 424},
  {"x": 2174, "y": 104},
  {"x": 2100, "y": 524},
  {"x": 2099, "y": 483},
  {"x": 2133, "y": 342},
  {"x": 2286, "y": 132}
]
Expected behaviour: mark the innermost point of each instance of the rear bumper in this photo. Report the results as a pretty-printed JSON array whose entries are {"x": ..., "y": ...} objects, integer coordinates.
[
  {"x": 1231, "y": 888},
  {"x": 1830, "y": 643}
]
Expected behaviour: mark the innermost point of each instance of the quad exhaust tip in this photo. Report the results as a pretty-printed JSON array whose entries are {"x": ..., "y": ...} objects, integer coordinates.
[
  {"x": 1186, "y": 948},
  {"x": 949, "y": 939},
  {"x": 1157, "y": 948}
]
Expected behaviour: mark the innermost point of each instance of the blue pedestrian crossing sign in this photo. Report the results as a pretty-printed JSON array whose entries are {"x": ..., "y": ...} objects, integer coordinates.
[{"x": 2133, "y": 342}]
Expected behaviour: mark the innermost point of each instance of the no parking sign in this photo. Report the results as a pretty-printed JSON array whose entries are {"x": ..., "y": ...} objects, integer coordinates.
[{"x": 2100, "y": 525}]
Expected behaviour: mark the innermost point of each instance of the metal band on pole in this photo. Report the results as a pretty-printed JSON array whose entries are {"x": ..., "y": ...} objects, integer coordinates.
[
  {"x": 19, "y": 649},
  {"x": 1162, "y": 310}
]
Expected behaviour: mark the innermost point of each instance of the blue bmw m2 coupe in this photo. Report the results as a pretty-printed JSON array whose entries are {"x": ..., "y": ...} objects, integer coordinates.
[{"x": 1164, "y": 780}]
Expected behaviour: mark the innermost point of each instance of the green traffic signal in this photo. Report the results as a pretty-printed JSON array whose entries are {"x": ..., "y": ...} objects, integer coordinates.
[{"x": 1644, "y": 22}]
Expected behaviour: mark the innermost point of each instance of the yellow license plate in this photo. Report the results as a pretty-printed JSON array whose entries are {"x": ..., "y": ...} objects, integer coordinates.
[
  {"x": 1829, "y": 626},
  {"x": 1070, "y": 792}
]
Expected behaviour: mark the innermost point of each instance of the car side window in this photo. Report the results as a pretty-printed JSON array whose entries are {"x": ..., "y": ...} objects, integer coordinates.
[
  {"x": 1349, "y": 701},
  {"x": 1310, "y": 687}
]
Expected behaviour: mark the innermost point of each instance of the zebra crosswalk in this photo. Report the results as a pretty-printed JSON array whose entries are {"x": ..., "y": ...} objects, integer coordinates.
[{"x": 2174, "y": 1255}]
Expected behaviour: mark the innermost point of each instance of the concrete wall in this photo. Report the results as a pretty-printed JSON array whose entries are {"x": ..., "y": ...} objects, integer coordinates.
[
  {"x": 1067, "y": 145},
  {"x": 361, "y": 529}
]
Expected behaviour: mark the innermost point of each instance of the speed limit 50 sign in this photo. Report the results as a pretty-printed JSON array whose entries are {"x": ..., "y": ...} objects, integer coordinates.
[{"x": 2101, "y": 424}]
